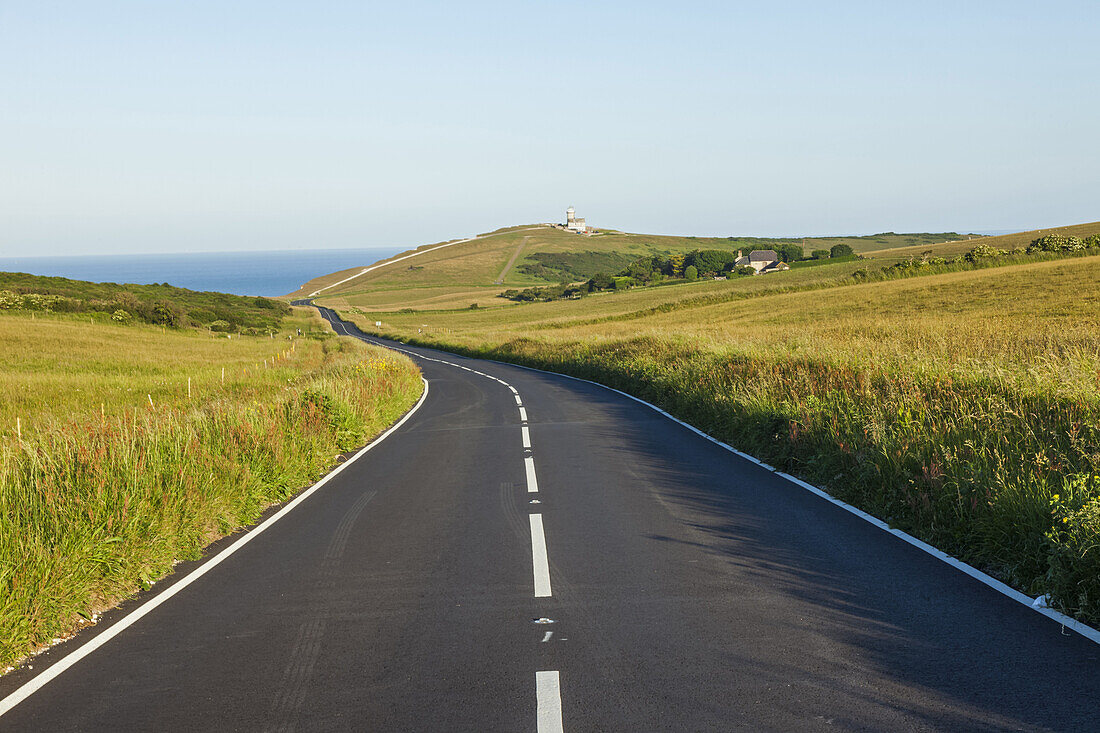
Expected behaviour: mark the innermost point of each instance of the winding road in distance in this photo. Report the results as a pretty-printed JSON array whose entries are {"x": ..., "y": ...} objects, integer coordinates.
[{"x": 528, "y": 552}]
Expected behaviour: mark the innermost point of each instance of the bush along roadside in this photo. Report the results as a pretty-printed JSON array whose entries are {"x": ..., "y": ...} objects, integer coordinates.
[
  {"x": 96, "y": 508},
  {"x": 1004, "y": 479}
]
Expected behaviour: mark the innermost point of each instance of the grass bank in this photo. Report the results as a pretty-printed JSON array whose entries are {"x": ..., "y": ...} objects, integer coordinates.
[
  {"x": 962, "y": 407},
  {"x": 121, "y": 466}
]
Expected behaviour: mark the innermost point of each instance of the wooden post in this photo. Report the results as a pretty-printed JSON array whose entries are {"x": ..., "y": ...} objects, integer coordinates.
[
  {"x": 189, "y": 388},
  {"x": 223, "y": 375},
  {"x": 19, "y": 429}
]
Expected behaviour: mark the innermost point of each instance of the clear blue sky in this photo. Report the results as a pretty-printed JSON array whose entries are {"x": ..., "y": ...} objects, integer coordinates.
[{"x": 192, "y": 125}]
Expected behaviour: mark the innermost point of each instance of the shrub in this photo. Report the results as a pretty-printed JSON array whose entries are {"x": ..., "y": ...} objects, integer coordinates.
[
  {"x": 820, "y": 254},
  {"x": 691, "y": 273},
  {"x": 841, "y": 250},
  {"x": 983, "y": 251},
  {"x": 10, "y": 300},
  {"x": 122, "y": 316},
  {"x": 220, "y": 326},
  {"x": 1073, "y": 544},
  {"x": 1056, "y": 243}
]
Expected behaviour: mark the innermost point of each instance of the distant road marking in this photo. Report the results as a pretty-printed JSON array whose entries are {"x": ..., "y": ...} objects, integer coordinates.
[
  {"x": 62, "y": 664},
  {"x": 540, "y": 561},
  {"x": 532, "y": 482},
  {"x": 548, "y": 695},
  {"x": 547, "y": 684}
]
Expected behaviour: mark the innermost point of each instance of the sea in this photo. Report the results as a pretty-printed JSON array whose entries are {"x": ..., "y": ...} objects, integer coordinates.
[{"x": 241, "y": 273}]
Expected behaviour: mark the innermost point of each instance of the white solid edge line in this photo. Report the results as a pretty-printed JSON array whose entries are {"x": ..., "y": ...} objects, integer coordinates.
[
  {"x": 529, "y": 465},
  {"x": 33, "y": 685},
  {"x": 1083, "y": 629},
  {"x": 1070, "y": 623},
  {"x": 539, "y": 561},
  {"x": 548, "y": 697}
]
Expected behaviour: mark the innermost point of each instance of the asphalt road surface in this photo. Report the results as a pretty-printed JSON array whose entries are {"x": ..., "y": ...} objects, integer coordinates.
[{"x": 529, "y": 552}]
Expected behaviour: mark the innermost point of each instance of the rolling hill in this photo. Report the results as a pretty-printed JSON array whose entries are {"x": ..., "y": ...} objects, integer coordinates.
[
  {"x": 457, "y": 273},
  {"x": 958, "y": 400}
]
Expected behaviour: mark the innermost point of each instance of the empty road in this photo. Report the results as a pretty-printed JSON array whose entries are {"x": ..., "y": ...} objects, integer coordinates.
[{"x": 529, "y": 552}]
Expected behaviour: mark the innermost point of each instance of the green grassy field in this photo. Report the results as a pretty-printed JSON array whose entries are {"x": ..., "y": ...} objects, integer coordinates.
[
  {"x": 961, "y": 406},
  {"x": 455, "y": 277},
  {"x": 117, "y": 470},
  {"x": 156, "y": 304}
]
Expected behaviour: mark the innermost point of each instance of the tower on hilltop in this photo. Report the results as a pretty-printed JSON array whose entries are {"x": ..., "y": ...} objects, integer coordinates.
[{"x": 572, "y": 223}]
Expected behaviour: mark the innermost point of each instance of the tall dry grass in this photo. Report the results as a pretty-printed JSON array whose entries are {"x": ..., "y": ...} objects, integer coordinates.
[
  {"x": 98, "y": 503},
  {"x": 961, "y": 407}
]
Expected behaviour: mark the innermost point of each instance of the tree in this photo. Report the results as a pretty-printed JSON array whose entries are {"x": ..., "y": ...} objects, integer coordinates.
[
  {"x": 841, "y": 250},
  {"x": 164, "y": 314},
  {"x": 676, "y": 264},
  {"x": 691, "y": 273},
  {"x": 820, "y": 254},
  {"x": 789, "y": 252},
  {"x": 710, "y": 261},
  {"x": 601, "y": 281}
]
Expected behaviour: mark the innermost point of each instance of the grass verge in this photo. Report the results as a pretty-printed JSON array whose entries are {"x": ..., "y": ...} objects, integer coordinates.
[
  {"x": 99, "y": 503},
  {"x": 962, "y": 407}
]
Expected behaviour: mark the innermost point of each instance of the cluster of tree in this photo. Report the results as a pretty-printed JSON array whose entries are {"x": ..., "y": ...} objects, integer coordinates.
[
  {"x": 572, "y": 266},
  {"x": 647, "y": 270},
  {"x": 548, "y": 292},
  {"x": 1062, "y": 243},
  {"x": 162, "y": 304}
]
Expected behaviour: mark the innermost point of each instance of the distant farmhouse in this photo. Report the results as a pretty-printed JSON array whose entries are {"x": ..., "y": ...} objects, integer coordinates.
[
  {"x": 761, "y": 260},
  {"x": 573, "y": 224}
]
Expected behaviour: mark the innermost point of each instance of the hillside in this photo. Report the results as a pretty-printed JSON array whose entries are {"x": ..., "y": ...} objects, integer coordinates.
[
  {"x": 956, "y": 399},
  {"x": 163, "y": 305},
  {"x": 127, "y": 446},
  {"x": 458, "y": 273}
]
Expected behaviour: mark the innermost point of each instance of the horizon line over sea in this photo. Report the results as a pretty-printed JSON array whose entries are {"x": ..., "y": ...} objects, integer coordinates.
[{"x": 262, "y": 272}]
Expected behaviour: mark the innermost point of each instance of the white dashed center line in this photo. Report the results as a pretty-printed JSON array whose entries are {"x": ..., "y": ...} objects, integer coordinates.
[
  {"x": 547, "y": 683},
  {"x": 532, "y": 483},
  {"x": 548, "y": 693},
  {"x": 538, "y": 558}
]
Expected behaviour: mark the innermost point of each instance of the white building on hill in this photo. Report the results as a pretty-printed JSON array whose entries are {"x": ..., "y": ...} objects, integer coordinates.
[{"x": 572, "y": 223}]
